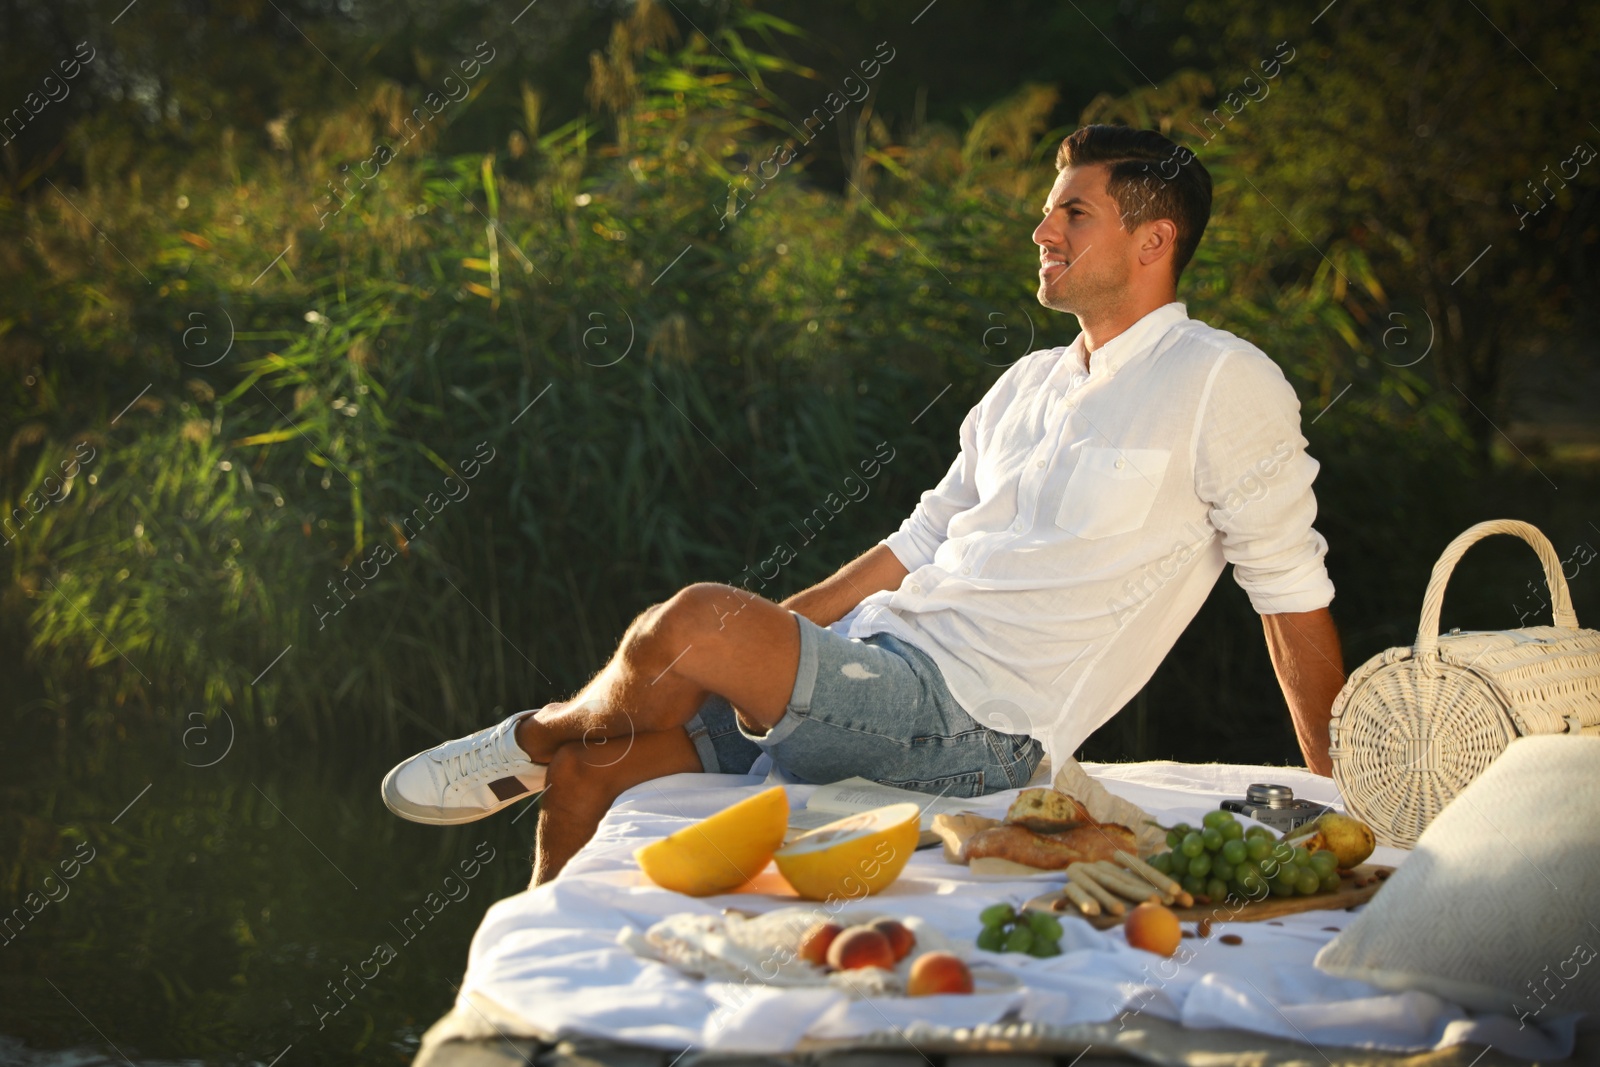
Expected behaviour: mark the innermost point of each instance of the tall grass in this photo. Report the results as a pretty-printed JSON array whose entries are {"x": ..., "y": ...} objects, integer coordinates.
[{"x": 667, "y": 387}]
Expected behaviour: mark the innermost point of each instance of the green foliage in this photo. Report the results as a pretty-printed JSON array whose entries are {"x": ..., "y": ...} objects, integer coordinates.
[
  {"x": 1405, "y": 142},
  {"x": 669, "y": 383},
  {"x": 666, "y": 345}
]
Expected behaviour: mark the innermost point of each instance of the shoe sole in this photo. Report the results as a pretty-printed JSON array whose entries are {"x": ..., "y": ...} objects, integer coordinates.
[{"x": 436, "y": 816}]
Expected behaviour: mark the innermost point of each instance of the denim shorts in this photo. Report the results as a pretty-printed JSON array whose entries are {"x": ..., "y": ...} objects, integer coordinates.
[{"x": 874, "y": 707}]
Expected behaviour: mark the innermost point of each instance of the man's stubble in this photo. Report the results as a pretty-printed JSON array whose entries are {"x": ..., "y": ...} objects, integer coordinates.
[{"x": 1088, "y": 286}]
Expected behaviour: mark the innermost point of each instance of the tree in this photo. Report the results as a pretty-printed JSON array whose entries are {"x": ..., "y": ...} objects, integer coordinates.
[{"x": 1452, "y": 149}]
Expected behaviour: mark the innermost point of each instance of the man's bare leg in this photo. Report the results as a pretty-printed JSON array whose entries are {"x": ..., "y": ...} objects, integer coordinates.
[
  {"x": 586, "y": 778},
  {"x": 626, "y": 726},
  {"x": 707, "y": 639}
]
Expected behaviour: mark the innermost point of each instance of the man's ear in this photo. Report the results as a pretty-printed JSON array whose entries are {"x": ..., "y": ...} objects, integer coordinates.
[{"x": 1157, "y": 238}]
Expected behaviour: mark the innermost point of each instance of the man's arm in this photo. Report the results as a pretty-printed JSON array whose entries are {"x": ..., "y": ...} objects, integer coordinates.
[
  {"x": 832, "y": 598},
  {"x": 1306, "y": 655}
]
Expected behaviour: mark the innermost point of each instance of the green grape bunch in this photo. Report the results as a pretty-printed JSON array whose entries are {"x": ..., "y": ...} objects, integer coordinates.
[
  {"x": 1224, "y": 861},
  {"x": 1036, "y": 933}
]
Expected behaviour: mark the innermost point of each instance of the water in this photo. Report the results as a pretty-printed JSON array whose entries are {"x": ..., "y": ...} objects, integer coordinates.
[{"x": 267, "y": 905}]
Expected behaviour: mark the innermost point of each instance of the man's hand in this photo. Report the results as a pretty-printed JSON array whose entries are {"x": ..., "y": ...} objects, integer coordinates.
[
  {"x": 831, "y": 599},
  {"x": 1310, "y": 666}
]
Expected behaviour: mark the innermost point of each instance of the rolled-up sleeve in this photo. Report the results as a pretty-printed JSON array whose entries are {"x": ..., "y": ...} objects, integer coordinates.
[
  {"x": 1252, "y": 469},
  {"x": 926, "y": 528}
]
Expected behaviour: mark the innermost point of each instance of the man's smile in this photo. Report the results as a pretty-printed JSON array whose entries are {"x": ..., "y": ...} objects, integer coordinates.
[{"x": 1051, "y": 263}]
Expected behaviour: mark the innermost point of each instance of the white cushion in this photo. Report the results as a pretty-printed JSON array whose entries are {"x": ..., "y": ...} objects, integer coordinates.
[{"x": 1495, "y": 909}]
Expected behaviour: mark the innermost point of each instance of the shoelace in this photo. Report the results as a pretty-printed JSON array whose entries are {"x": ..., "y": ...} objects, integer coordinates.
[{"x": 483, "y": 756}]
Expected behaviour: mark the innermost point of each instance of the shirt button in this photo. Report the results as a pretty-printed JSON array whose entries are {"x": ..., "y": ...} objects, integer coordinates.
[
  {"x": 966, "y": 570},
  {"x": 1121, "y": 463},
  {"x": 1040, "y": 464},
  {"x": 1016, "y": 527},
  {"x": 916, "y": 589}
]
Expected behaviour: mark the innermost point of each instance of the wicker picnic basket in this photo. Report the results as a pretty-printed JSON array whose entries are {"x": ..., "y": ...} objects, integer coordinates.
[{"x": 1414, "y": 725}]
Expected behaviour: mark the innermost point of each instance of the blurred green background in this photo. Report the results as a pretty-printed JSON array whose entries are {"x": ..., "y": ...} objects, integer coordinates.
[{"x": 664, "y": 273}]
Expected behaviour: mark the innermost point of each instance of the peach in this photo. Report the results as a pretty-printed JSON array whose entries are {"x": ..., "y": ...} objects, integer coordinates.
[
  {"x": 815, "y": 941},
  {"x": 1153, "y": 928},
  {"x": 901, "y": 939},
  {"x": 860, "y": 946},
  {"x": 938, "y": 972}
]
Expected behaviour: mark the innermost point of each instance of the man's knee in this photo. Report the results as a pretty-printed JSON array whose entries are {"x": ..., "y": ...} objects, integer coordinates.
[{"x": 694, "y": 611}]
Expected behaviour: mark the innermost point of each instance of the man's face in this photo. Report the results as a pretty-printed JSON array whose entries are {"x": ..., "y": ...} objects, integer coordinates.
[{"x": 1085, "y": 256}]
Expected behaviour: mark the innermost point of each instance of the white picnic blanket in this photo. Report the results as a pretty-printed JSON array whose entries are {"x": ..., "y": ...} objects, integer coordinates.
[{"x": 552, "y": 958}]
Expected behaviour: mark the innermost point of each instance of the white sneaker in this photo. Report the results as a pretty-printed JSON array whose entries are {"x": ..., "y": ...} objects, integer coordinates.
[{"x": 466, "y": 779}]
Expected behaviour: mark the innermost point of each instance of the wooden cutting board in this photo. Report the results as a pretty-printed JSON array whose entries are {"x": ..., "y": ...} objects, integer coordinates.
[{"x": 1348, "y": 895}]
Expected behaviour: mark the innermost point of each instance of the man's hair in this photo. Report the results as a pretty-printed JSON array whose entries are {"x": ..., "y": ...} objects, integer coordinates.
[{"x": 1150, "y": 178}]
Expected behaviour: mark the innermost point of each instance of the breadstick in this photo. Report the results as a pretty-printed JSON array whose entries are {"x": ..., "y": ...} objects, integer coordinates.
[
  {"x": 1086, "y": 904},
  {"x": 1163, "y": 882},
  {"x": 1111, "y": 885},
  {"x": 1122, "y": 883},
  {"x": 1136, "y": 879},
  {"x": 1079, "y": 873},
  {"x": 1132, "y": 879}
]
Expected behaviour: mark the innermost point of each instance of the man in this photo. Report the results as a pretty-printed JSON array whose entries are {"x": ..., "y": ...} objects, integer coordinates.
[{"x": 1099, "y": 491}]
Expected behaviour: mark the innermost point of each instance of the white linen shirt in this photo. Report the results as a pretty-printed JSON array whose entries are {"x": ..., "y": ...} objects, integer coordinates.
[{"x": 1087, "y": 517}]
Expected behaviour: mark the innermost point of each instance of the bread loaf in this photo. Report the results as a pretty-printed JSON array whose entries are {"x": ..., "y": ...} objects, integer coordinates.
[{"x": 1047, "y": 811}]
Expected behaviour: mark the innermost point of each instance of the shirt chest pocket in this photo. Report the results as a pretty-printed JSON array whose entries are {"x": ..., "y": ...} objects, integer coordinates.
[{"x": 1111, "y": 490}]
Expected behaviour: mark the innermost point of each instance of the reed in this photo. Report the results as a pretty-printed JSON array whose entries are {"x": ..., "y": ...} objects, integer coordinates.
[{"x": 666, "y": 392}]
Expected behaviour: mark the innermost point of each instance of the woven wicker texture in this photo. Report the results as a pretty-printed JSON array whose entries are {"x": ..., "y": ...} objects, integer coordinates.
[{"x": 1413, "y": 726}]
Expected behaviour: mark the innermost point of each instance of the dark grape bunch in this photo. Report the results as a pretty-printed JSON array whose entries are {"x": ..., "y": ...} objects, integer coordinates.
[{"x": 1222, "y": 859}]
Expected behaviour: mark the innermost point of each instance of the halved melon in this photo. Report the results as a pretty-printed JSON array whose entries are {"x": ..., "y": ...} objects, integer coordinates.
[
  {"x": 722, "y": 852},
  {"x": 852, "y": 857}
]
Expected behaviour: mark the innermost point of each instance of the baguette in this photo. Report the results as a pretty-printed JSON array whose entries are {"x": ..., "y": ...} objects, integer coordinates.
[{"x": 1050, "y": 852}]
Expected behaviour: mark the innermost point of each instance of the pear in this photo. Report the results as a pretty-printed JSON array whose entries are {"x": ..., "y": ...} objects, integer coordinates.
[{"x": 1349, "y": 839}]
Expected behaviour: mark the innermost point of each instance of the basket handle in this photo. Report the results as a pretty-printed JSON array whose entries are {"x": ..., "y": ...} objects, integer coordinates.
[{"x": 1426, "y": 648}]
